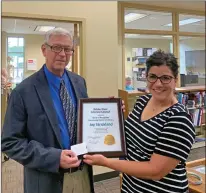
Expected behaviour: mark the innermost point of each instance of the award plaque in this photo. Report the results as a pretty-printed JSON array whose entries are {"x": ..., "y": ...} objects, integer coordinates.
[{"x": 101, "y": 126}]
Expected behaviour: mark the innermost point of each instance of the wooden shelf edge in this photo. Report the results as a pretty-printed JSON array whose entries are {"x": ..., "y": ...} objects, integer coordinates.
[
  {"x": 198, "y": 145},
  {"x": 180, "y": 89}
]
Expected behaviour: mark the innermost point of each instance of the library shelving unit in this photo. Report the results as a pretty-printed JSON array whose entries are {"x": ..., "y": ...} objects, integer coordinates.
[{"x": 193, "y": 97}]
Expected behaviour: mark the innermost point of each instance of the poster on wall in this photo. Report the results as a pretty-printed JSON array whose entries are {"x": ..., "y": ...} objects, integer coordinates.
[
  {"x": 139, "y": 52},
  {"x": 149, "y": 52},
  {"x": 154, "y": 50},
  {"x": 31, "y": 64}
]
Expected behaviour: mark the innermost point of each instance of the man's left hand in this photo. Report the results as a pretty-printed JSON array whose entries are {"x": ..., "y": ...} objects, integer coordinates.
[{"x": 96, "y": 159}]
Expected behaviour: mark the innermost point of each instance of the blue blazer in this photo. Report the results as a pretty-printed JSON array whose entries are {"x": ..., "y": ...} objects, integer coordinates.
[{"x": 31, "y": 135}]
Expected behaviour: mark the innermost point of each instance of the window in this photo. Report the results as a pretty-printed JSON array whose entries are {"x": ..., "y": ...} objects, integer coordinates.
[
  {"x": 146, "y": 28},
  {"x": 192, "y": 23},
  {"x": 138, "y": 47},
  {"x": 147, "y": 20},
  {"x": 15, "y": 54},
  {"x": 192, "y": 60}
]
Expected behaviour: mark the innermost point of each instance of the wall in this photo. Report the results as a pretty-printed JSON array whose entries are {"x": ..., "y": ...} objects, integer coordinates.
[
  {"x": 101, "y": 38},
  {"x": 192, "y": 44},
  {"x": 196, "y": 6},
  {"x": 101, "y": 49},
  {"x": 33, "y": 50},
  {"x": 189, "y": 45}
]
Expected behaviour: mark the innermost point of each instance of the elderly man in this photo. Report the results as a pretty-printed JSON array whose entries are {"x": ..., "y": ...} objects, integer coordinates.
[{"x": 40, "y": 123}]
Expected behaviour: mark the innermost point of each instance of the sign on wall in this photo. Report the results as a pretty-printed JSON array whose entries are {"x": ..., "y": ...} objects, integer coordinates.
[{"x": 31, "y": 64}]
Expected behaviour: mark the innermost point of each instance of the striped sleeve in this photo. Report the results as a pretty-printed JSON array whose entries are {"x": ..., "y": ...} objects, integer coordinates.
[
  {"x": 142, "y": 100},
  {"x": 177, "y": 137}
]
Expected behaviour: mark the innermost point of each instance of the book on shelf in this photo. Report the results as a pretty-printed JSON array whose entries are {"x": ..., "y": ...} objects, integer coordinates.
[
  {"x": 143, "y": 89},
  {"x": 199, "y": 98},
  {"x": 195, "y": 103},
  {"x": 199, "y": 139}
]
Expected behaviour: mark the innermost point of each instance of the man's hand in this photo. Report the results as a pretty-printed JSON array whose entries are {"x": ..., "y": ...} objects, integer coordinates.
[{"x": 68, "y": 159}]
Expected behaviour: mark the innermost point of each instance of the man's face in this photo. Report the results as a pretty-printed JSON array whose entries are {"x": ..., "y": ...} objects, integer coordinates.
[{"x": 57, "y": 61}]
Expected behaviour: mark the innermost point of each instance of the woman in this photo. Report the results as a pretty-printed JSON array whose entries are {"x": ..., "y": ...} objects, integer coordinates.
[{"x": 159, "y": 135}]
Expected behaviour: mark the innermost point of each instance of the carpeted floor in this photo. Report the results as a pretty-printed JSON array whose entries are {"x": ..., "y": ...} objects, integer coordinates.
[{"x": 12, "y": 177}]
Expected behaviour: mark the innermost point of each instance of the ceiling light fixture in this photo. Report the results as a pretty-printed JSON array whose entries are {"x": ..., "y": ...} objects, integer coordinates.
[
  {"x": 186, "y": 21},
  {"x": 167, "y": 36},
  {"x": 44, "y": 28},
  {"x": 133, "y": 16},
  {"x": 131, "y": 35}
]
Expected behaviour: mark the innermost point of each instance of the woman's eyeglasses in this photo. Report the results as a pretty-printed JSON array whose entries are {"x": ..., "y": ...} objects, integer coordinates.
[{"x": 165, "y": 79}]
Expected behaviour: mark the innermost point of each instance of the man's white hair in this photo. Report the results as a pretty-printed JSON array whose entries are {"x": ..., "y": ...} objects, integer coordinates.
[{"x": 57, "y": 31}]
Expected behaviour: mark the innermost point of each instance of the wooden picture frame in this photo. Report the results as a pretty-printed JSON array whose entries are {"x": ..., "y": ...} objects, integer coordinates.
[{"x": 101, "y": 126}]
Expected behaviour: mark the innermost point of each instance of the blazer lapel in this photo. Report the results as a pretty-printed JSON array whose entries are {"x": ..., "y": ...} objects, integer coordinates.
[
  {"x": 43, "y": 91},
  {"x": 75, "y": 85}
]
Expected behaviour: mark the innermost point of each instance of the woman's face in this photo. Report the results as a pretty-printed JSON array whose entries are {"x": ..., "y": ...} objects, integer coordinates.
[{"x": 162, "y": 88}]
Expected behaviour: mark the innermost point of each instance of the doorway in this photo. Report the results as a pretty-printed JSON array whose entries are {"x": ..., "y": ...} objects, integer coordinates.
[{"x": 21, "y": 45}]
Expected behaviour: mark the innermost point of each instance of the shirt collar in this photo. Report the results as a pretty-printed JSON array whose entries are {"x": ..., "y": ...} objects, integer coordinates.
[{"x": 53, "y": 79}]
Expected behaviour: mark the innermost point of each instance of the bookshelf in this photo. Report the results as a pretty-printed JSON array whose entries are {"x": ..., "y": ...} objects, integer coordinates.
[{"x": 197, "y": 107}]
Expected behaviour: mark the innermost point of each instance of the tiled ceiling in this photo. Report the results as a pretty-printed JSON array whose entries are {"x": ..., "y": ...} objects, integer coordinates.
[
  {"x": 150, "y": 37},
  {"x": 26, "y": 26},
  {"x": 158, "y": 20}
]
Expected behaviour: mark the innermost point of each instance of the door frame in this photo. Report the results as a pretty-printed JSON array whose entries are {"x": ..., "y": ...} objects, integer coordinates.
[{"x": 78, "y": 69}]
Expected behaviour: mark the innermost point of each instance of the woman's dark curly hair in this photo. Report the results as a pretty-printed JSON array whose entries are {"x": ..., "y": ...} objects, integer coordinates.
[{"x": 160, "y": 58}]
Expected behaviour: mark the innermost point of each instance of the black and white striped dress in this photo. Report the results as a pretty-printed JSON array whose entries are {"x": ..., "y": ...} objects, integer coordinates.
[{"x": 170, "y": 133}]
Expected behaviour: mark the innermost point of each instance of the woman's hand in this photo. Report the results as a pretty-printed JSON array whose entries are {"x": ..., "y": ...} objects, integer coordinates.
[
  {"x": 123, "y": 105},
  {"x": 96, "y": 159}
]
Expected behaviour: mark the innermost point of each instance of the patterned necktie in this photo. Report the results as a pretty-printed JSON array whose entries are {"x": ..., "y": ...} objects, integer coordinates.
[
  {"x": 70, "y": 114},
  {"x": 69, "y": 110}
]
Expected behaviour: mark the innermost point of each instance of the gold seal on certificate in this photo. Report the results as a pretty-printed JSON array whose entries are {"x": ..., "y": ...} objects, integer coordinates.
[
  {"x": 101, "y": 126},
  {"x": 109, "y": 140}
]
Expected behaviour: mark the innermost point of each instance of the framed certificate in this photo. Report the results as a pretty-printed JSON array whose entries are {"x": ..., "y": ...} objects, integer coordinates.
[{"x": 101, "y": 126}]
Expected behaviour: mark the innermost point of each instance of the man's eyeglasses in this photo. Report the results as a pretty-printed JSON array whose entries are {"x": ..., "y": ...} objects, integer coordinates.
[
  {"x": 58, "y": 49},
  {"x": 165, "y": 79}
]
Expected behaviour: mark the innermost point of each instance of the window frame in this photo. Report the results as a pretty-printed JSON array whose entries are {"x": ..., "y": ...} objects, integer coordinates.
[
  {"x": 175, "y": 32},
  {"x": 23, "y": 53}
]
